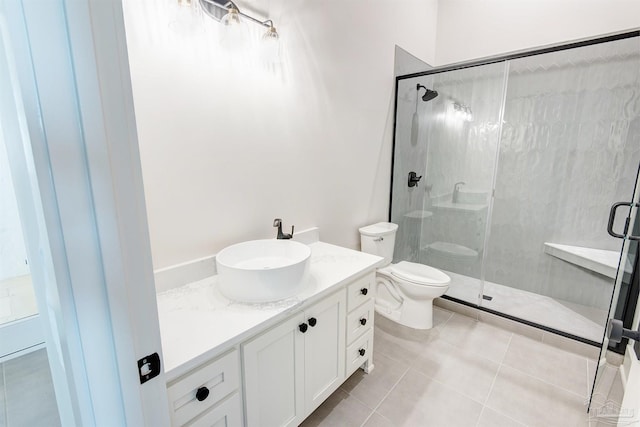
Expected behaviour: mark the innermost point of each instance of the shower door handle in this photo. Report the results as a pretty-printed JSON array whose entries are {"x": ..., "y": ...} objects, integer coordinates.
[{"x": 612, "y": 217}]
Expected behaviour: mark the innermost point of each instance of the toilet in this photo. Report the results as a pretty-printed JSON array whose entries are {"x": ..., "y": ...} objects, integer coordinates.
[{"x": 404, "y": 291}]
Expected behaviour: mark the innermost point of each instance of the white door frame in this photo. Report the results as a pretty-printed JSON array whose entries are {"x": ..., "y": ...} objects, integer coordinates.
[{"x": 95, "y": 282}]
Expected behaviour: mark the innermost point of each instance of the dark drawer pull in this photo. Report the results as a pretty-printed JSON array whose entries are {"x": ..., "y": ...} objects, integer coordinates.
[
  {"x": 364, "y": 291},
  {"x": 362, "y": 351},
  {"x": 363, "y": 321},
  {"x": 312, "y": 321},
  {"x": 202, "y": 393},
  {"x": 303, "y": 327}
]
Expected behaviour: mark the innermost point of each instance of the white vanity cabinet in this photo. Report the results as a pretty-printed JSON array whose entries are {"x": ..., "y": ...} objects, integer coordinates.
[
  {"x": 208, "y": 396},
  {"x": 292, "y": 368},
  {"x": 273, "y": 364},
  {"x": 360, "y": 317}
]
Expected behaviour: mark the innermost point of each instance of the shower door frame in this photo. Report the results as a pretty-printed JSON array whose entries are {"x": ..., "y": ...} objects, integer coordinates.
[{"x": 630, "y": 304}]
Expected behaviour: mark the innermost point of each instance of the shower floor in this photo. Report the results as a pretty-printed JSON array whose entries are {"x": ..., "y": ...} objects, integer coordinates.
[{"x": 575, "y": 319}]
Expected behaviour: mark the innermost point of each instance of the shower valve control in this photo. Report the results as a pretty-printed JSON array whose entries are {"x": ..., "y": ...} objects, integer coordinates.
[{"x": 413, "y": 179}]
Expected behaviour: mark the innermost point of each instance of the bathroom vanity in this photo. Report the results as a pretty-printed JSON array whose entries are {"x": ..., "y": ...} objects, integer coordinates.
[{"x": 268, "y": 364}]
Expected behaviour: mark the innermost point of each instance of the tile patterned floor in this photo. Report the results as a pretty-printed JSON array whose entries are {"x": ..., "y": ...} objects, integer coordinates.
[
  {"x": 27, "y": 397},
  {"x": 463, "y": 373}
]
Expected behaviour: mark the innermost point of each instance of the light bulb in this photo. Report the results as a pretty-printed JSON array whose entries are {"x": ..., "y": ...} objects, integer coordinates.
[
  {"x": 233, "y": 31},
  {"x": 271, "y": 35},
  {"x": 270, "y": 46},
  {"x": 232, "y": 18}
]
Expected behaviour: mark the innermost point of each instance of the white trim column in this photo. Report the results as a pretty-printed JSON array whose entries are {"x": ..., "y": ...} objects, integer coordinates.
[{"x": 73, "y": 78}]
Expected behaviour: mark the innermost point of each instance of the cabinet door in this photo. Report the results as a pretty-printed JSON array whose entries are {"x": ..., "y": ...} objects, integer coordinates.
[
  {"x": 324, "y": 349},
  {"x": 274, "y": 376}
]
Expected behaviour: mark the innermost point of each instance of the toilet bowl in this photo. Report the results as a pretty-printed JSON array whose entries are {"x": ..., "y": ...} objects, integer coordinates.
[{"x": 405, "y": 290}]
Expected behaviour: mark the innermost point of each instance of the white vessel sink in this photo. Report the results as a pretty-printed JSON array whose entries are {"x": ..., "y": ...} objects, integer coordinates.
[{"x": 262, "y": 270}]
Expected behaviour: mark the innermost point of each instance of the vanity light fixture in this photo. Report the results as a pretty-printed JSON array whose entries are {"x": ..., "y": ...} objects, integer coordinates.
[{"x": 227, "y": 13}]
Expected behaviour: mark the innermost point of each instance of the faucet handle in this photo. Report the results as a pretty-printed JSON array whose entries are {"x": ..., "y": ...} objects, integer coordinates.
[
  {"x": 277, "y": 222},
  {"x": 292, "y": 230}
]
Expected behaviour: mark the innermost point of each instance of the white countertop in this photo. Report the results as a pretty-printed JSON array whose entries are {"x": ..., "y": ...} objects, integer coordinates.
[{"x": 197, "y": 322}]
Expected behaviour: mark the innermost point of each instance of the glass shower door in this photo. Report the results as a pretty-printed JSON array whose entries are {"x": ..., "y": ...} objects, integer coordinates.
[
  {"x": 601, "y": 407},
  {"x": 450, "y": 141},
  {"x": 569, "y": 149}
]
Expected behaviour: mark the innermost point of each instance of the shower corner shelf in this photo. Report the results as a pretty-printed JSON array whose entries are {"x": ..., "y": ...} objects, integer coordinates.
[{"x": 599, "y": 260}]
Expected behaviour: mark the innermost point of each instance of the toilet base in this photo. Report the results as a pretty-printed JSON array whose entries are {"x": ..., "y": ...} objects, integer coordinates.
[{"x": 414, "y": 314}]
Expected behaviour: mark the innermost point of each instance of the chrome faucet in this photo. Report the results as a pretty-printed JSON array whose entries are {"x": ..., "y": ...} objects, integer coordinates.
[
  {"x": 278, "y": 223},
  {"x": 456, "y": 191}
]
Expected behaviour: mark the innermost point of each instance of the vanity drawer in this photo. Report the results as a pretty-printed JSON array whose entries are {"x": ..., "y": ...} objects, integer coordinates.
[
  {"x": 226, "y": 414},
  {"x": 220, "y": 378},
  {"x": 359, "y": 321},
  {"x": 359, "y": 352},
  {"x": 360, "y": 291}
]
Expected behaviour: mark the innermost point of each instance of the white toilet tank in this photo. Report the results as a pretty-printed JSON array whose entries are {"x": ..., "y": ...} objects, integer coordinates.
[{"x": 379, "y": 239}]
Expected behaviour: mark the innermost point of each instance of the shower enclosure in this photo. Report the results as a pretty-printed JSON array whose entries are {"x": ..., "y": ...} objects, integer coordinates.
[{"x": 521, "y": 158}]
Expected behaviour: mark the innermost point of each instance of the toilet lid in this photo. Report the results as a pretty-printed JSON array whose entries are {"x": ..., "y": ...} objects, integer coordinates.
[{"x": 419, "y": 273}]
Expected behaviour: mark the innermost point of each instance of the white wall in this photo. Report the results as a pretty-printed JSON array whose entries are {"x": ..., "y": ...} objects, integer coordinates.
[
  {"x": 469, "y": 29},
  {"x": 406, "y": 63},
  {"x": 228, "y": 145}
]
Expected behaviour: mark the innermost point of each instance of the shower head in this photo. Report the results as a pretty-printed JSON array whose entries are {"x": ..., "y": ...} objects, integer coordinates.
[{"x": 429, "y": 94}]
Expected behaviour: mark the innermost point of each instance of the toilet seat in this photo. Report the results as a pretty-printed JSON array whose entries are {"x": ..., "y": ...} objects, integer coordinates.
[{"x": 419, "y": 274}]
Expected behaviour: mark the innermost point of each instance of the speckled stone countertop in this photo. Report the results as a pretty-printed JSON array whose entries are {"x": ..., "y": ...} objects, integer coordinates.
[{"x": 197, "y": 322}]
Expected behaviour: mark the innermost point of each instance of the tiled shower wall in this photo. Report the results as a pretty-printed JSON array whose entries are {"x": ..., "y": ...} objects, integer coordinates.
[{"x": 569, "y": 148}]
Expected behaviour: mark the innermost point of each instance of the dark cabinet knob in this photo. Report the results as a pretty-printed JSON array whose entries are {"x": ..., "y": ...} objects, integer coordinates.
[
  {"x": 363, "y": 321},
  {"x": 202, "y": 393},
  {"x": 364, "y": 291},
  {"x": 312, "y": 321},
  {"x": 303, "y": 327},
  {"x": 362, "y": 351}
]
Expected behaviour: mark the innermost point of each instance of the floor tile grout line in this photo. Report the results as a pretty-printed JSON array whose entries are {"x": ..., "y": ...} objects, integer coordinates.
[
  {"x": 385, "y": 396},
  {"x": 480, "y": 415},
  {"x": 585, "y": 359},
  {"x": 495, "y": 377},
  {"x": 546, "y": 382},
  {"x": 489, "y": 394},
  {"x": 509, "y": 329},
  {"x": 501, "y": 364}
]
